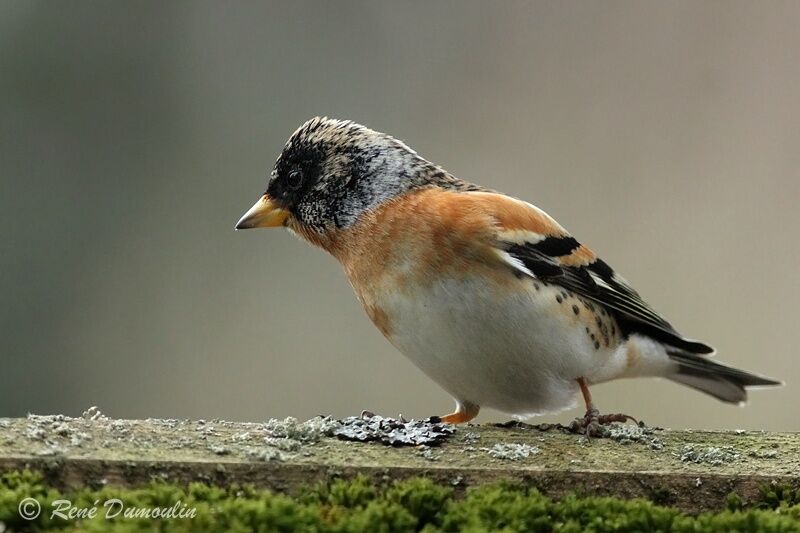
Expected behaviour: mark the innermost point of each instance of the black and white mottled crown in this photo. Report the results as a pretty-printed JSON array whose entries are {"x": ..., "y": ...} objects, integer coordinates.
[{"x": 346, "y": 170}]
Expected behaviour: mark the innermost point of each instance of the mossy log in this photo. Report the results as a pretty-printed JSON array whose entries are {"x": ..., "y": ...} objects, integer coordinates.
[{"x": 688, "y": 469}]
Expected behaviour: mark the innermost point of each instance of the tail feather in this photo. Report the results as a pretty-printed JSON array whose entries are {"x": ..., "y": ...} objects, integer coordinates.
[{"x": 719, "y": 380}]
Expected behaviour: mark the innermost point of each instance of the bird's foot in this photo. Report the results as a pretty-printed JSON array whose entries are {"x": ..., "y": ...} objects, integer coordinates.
[
  {"x": 446, "y": 419},
  {"x": 459, "y": 417},
  {"x": 593, "y": 423},
  {"x": 464, "y": 412}
]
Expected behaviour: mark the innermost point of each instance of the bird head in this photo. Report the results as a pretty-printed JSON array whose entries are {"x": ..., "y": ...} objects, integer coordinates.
[{"x": 330, "y": 172}]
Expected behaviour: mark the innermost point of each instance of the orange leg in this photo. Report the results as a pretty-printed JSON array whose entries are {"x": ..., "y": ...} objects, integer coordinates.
[
  {"x": 587, "y": 396},
  {"x": 592, "y": 422},
  {"x": 463, "y": 413}
]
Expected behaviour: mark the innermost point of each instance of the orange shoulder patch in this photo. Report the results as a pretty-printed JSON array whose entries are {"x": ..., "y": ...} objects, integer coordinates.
[{"x": 515, "y": 215}]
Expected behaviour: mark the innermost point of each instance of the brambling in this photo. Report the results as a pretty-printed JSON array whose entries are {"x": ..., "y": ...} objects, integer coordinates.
[{"x": 488, "y": 295}]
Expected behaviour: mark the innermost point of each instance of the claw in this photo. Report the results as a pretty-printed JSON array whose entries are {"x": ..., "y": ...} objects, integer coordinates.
[
  {"x": 592, "y": 424},
  {"x": 464, "y": 412}
]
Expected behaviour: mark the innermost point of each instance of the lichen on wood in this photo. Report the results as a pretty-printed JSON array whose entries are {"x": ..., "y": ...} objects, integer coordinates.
[{"x": 692, "y": 470}]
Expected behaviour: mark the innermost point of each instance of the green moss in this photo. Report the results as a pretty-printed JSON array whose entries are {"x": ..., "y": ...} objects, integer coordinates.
[
  {"x": 777, "y": 496},
  {"x": 412, "y": 505},
  {"x": 734, "y": 502}
]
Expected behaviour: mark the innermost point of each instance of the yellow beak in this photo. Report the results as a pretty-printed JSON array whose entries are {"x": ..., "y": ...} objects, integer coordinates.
[{"x": 264, "y": 214}]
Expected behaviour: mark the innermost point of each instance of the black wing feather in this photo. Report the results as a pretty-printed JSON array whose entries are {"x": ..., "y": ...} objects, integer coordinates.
[{"x": 598, "y": 282}]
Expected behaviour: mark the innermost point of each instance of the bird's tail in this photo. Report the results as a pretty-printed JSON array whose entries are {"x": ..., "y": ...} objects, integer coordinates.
[{"x": 720, "y": 381}]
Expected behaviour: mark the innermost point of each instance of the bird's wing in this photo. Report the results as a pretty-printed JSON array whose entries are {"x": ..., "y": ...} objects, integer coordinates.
[{"x": 536, "y": 245}]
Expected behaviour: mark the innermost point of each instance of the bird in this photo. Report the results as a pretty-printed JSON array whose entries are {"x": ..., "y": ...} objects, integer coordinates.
[{"x": 486, "y": 294}]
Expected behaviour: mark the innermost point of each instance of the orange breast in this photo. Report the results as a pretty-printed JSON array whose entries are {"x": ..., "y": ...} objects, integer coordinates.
[
  {"x": 413, "y": 240},
  {"x": 417, "y": 238}
]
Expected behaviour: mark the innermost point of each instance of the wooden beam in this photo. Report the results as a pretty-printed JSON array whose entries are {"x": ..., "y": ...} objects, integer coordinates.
[{"x": 689, "y": 469}]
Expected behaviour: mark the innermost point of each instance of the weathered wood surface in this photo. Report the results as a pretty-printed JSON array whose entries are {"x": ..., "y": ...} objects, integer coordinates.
[{"x": 692, "y": 470}]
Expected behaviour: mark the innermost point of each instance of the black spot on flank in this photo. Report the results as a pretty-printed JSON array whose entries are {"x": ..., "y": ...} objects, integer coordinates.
[
  {"x": 613, "y": 329},
  {"x": 558, "y": 298},
  {"x": 596, "y": 345},
  {"x": 575, "y": 309},
  {"x": 536, "y": 285},
  {"x": 556, "y": 246},
  {"x": 587, "y": 329},
  {"x": 598, "y": 321},
  {"x": 592, "y": 336}
]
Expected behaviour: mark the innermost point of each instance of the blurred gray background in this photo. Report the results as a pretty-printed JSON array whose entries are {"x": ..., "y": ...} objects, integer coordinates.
[{"x": 666, "y": 135}]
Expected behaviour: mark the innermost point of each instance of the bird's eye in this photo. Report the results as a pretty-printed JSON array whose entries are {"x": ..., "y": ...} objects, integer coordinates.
[{"x": 295, "y": 179}]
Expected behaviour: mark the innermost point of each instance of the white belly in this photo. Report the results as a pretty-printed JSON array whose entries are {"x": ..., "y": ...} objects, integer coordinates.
[{"x": 519, "y": 353}]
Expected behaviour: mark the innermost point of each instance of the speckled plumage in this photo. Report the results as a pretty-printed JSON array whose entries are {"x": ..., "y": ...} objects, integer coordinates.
[
  {"x": 486, "y": 294},
  {"x": 350, "y": 169}
]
